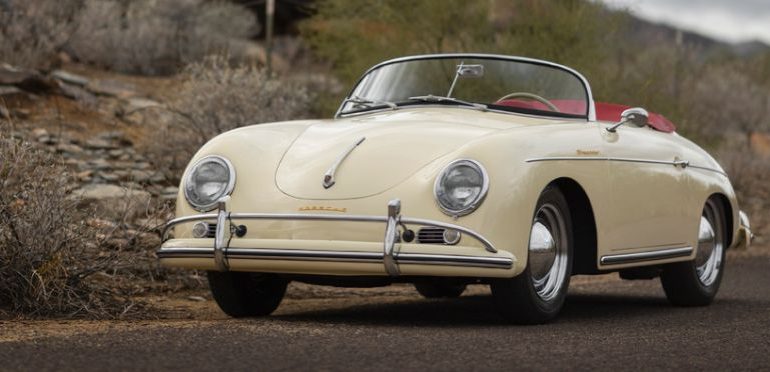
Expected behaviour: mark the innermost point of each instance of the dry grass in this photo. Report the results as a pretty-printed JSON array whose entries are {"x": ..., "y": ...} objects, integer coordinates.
[
  {"x": 750, "y": 176},
  {"x": 216, "y": 97},
  {"x": 55, "y": 257},
  {"x": 31, "y": 32},
  {"x": 157, "y": 37}
]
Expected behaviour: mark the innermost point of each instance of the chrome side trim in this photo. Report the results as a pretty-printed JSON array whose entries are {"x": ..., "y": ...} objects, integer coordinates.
[
  {"x": 618, "y": 259},
  {"x": 341, "y": 256},
  {"x": 677, "y": 163},
  {"x": 329, "y": 175}
]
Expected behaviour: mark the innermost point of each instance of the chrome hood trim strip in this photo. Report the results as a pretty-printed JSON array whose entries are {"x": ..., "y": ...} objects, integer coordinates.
[{"x": 329, "y": 175}]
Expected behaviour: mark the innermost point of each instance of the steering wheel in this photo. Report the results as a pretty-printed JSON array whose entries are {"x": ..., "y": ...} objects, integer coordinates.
[{"x": 533, "y": 96}]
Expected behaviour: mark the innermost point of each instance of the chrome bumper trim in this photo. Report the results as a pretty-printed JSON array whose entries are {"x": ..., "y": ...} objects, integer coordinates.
[
  {"x": 392, "y": 220},
  {"x": 340, "y": 256},
  {"x": 617, "y": 259}
]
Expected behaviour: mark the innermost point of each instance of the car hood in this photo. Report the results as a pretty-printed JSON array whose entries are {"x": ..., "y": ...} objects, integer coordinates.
[{"x": 395, "y": 145}]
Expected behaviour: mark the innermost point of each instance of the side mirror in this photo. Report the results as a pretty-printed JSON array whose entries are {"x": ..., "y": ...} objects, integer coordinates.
[{"x": 636, "y": 116}]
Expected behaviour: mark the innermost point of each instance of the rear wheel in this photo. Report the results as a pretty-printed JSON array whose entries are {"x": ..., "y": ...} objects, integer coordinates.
[
  {"x": 242, "y": 294},
  {"x": 696, "y": 282},
  {"x": 537, "y": 295},
  {"x": 439, "y": 289}
]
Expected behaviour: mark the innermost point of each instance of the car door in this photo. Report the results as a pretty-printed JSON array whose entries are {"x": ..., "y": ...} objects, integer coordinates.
[{"x": 647, "y": 203}]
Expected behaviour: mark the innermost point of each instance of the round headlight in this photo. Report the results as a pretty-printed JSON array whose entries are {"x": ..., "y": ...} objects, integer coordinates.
[
  {"x": 211, "y": 178},
  {"x": 461, "y": 187}
]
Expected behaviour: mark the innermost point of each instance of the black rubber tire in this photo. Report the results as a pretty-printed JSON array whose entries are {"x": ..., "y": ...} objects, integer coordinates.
[
  {"x": 516, "y": 298},
  {"x": 243, "y": 294},
  {"x": 680, "y": 280},
  {"x": 439, "y": 289}
]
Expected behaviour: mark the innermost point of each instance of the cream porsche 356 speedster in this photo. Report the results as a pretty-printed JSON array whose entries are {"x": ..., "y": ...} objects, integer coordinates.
[{"x": 456, "y": 169}]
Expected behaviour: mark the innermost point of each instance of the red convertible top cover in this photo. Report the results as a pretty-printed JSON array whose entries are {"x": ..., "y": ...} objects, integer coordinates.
[
  {"x": 604, "y": 111},
  {"x": 612, "y": 111}
]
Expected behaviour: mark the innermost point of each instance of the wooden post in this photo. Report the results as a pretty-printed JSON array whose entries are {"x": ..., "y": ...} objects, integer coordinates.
[{"x": 269, "y": 13}]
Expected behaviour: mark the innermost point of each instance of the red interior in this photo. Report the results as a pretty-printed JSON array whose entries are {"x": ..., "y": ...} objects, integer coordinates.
[{"x": 604, "y": 111}]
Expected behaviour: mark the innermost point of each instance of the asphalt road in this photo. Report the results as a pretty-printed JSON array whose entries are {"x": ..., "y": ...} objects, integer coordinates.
[{"x": 607, "y": 324}]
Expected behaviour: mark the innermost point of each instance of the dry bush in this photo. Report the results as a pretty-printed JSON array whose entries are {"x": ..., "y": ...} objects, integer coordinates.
[
  {"x": 157, "y": 37},
  {"x": 31, "y": 32},
  {"x": 750, "y": 176},
  {"x": 216, "y": 97},
  {"x": 55, "y": 258}
]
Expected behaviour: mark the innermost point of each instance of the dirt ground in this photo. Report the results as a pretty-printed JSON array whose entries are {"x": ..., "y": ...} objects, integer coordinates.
[{"x": 191, "y": 308}]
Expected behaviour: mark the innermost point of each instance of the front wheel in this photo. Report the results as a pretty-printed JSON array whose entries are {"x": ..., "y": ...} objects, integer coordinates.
[
  {"x": 537, "y": 295},
  {"x": 696, "y": 282},
  {"x": 242, "y": 294}
]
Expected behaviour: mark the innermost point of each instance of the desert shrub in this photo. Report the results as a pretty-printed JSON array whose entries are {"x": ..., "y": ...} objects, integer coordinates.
[
  {"x": 31, "y": 32},
  {"x": 50, "y": 247},
  {"x": 750, "y": 175},
  {"x": 215, "y": 97},
  {"x": 157, "y": 37}
]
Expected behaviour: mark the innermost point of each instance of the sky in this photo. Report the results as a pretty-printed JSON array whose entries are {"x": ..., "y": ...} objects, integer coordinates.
[{"x": 725, "y": 20}]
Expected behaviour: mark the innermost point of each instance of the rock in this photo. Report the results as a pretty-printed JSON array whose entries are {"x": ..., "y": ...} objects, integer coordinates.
[
  {"x": 79, "y": 94},
  {"x": 67, "y": 148},
  {"x": 141, "y": 176},
  {"x": 4, "y": 113},
  {"x": 38, "y": 133},
  {"x": 112, "y": 88},
  {"x": 7, "y": 90},
  {"x": 84, "y": 176},
  {"x": 113, "y": 202},
  {"x": 39, "y": 84},
  {"x": 100, "y": 144},
  {"x": 141, "y": 165},
  {"x": 109, "y": 177},
  {"x": 169, "y": 193},
  {"x": 134, "y": 104},
  {"x": 70, "y": 78},
  {"x": 99, "y": 164},
  {"x": 115, "y": 153},
  {"x": 12, "y": 76}
]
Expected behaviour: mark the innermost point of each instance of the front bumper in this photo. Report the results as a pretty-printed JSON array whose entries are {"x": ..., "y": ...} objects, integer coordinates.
[
  {"x": 329, "y": 257},
  {"x": 745, "y": 236}
]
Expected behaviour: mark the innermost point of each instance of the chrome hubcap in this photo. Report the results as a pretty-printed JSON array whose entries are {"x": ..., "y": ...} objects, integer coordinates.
[
  {"x": 708, "y": 260},
  {"x": 547, "y": 252}
]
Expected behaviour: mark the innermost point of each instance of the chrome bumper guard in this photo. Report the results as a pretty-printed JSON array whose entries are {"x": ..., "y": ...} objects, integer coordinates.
[
  {"x": 745, "y": 230},
  {"x": 389, "y": 256}
]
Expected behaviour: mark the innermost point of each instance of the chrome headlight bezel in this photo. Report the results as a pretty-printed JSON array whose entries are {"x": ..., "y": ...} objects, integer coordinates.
[
  {"x": 438, "y": 187},
  {"x": 230, "y": 185}
]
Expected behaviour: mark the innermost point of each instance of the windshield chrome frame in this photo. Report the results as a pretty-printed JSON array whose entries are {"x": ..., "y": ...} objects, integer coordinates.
[{"x": 591, "y": 117}]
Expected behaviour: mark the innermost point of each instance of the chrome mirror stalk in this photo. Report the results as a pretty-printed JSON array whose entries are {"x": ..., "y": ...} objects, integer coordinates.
[{"x": 636, "y": 116}]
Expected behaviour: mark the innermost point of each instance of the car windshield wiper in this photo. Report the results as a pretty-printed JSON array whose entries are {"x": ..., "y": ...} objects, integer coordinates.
[
  {"x": 441, "y": 99},
  {"x": 364, "y": 103}
]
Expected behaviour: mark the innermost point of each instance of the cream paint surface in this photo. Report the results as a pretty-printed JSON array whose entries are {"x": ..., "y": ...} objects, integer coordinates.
[{"x": 637, "y": 207}]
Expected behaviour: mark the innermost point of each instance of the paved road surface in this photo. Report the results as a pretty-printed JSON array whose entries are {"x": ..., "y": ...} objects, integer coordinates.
[{"x": 607, "y": 324}]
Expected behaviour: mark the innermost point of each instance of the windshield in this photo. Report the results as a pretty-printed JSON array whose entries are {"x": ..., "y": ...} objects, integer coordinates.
[{"x": 477, "y": 82}]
